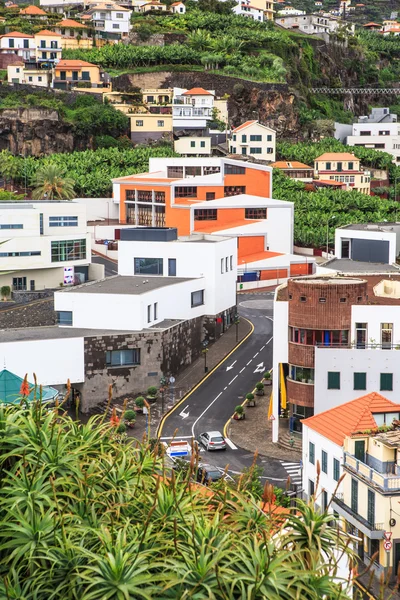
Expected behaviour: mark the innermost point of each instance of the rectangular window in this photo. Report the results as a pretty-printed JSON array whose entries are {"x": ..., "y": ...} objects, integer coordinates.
[
  {"x": 328, "y": 166},
  {"x": 269, "y": 138},
  {"x": 311, "y": 452},
  {"x": 324, "y": 461},
  {"x": 160, "y": 123},
  {"x": 192, "y": 171},
  {"x": 386, "y": 335},
  {"x": 122, "y": 358},
  {"x": 386, "y": 382},
  {"x": 144, "y": 196},
  {"x": 159, "y": 197},
  {"x": 19, "y": 283},
  {"x": 210, "y": 195},
  {"x": 193, "y": 144},
  {"x": 222, "y": 266},
  {"x": 339, "y": 167},
  {"x": 231, "y": 262},
  {"x": 255, "y": 213},
  {"x": 64, "y": 317},
  {"x": 227, "y": 264},
  {"x": 185, "y": 192},
  {"x": 119, "y": 15},
  {"x": 234, "y": 190},
  {"x": 115, "y": 25},
  {"x": 244, "y": 138},
  {"x": 63, "y": 221},
  {"x": 234, "y": 169},
  {"x": 359, "y": 381},
  {"x": 172, "y": 267},
  {"x": 361, "y": 335},
  {"x": 270, "y": 150},
  {"x": 42, "y": 43},
  {"x": 205, "y": 214},
  {"x": 336, "y": 469},
  {"x": 255, "y": 150},
  {"x": 324, "y": 500},
  {"x": 197, "y": 298},
  {"x": 371, "y": 507},
  {"x": 155, "y": 312},
  {"x": 311, "y": 488},
  {"x": 149, "y": 313},
  {"x": 41, "y": 224},
  {"x": 354, "y": 496},
  {"x": 148, "y": 266},
  {"x": 139, "y": 123},
  {"x": 30, "y": 79},
  {"x": 351, "y": 166},
  {"x": 256, "y": 138},
  {"x": 333, "y": 380},
  {"x": 85, "y": 76},
  {"x": 174, "y": 172},
  {"x": 63, "y": 251},
  {"x": 11, "y": 226},
  {"x": 11, "y": 43},
  {"x": 202, "y": 144}
]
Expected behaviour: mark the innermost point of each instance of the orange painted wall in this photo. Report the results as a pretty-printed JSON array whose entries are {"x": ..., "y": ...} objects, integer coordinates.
[
  {"x": 225, "y": 217},
  {"x": 250, "y": 245},
  {"x": 274, "y": 274},
  {"x": 299, "y": 269}
]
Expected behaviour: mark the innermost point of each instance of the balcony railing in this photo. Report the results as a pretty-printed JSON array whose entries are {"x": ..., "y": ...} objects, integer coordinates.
[
  {"x": 373, "y": 530},
  {"x": 385, "y": 482},
  {"x": 361, "y": 346}
]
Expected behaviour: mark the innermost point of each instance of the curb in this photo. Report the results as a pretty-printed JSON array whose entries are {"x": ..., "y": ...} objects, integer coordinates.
[{"x": 202, "y": 380}]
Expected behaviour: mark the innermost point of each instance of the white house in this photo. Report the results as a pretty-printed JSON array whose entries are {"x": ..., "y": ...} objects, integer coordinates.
[
  {"x": 253, "y": 139},
  {"x": 45, "y": 244},
  {"x": 110, "y": 18},
  {"x": 178, "y": 8},
  {"x": 192, "y": 145},
  {"x": 245, "y": 8},
  {"x": 290, "y": 11},
  {"x": 18, "y": 43},
  {"x": 316, "y": 23},
  {"x": 378, "y": 136},
  {"x": 29, "y": 73},
  {"x": 192, "y": 108},
  {"x": 60, "y": 6}
]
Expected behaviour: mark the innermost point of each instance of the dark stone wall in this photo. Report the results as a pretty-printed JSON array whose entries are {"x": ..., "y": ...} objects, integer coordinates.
[
  {"x": 35, "y": 314},
  {"x": 25, "y": 296}
]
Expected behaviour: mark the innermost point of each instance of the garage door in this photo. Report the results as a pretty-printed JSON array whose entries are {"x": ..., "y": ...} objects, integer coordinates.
[{"x": 370, "y": 250}]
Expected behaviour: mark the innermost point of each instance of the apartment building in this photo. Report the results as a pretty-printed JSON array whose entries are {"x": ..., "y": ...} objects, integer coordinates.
[
  {"x": 317, "y": 23},
  {"x": 253, "y": 139},
  {"x": 290, "y": 11},
  {"x": 44, "y": 244},
  {"x": 69, "y": 73},
  {"x": 74, "y": 34},
  {"x": 151, "y": 126},
  {"x": 60, "y": 6},
  {"x": 48, "y": 46},
  {"x": 109, "y": 20},
  {"x": 246, "y": 8},
  {"x": 295, "y": 170},
  {"x": 192, "y": 108},
  {"x": 161, "y": 316},
  {"x": 20, "y": 44},
  {"x": 343, "y": 339},
  {"x": 30, "y": 73},
  {"x": 342, "y": 167}
]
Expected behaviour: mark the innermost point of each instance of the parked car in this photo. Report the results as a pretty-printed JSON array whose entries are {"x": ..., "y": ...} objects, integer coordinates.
[
  {"x": 212, "y": 440},
  {"x": 208, "y": 474}
]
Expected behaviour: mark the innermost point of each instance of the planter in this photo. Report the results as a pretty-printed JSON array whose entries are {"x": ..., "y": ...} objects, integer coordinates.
[
  {"x": 239, "y": 417},
  {"x": 267, "y": 381},
  {"x": 252, "y": 403},
  {"x": 151, "y": 398},
  {"x": 130, "y": 424},
  {"x": 260, "y": 393},
  {"x": 138, "y": 409}
]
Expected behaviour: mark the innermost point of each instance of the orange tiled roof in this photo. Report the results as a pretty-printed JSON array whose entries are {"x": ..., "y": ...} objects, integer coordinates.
[
  {"x": 32, "y": 10},
  {"x": 329, "y": 182},
  {"x": 243, "y": 125},
  {"x": 47, "y": 32},
  {"x": 198, "y": 91},
  {"x": 71, "y": 23},
  {"x": 372, "y": 25},
  {"x": 65, "y": 64},
  {"x": 282, "y": 164},
  {"x": 336, "y": 156},
  {"x": 356, "y": 415},
  {"x": 16, "y": 34}
]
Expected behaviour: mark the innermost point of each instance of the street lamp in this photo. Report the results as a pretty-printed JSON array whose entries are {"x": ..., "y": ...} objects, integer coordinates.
[
  {"x": 237, "y": 321},
  {"x": 163, "y": 383},
  {"x": 204, "y": 351},
  {"x": 327, "y": 234}
]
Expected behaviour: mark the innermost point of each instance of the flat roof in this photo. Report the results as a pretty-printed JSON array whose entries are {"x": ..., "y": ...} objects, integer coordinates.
[
  {"x": 130, "y": 285},
  {"x": 242, "y": 201},
  {"x": 385, "y": 226},
  {"x": 346, "y": 265}
]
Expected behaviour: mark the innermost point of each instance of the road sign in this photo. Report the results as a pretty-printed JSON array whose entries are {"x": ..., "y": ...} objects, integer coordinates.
[
  {"x": 387, "y": 535},
  {"x": 172, "y": 380},
  {"x": 387, "y": 545},
  {"x": 272, "y": 418}
]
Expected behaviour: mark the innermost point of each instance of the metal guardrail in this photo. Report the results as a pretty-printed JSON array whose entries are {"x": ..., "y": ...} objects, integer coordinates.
[{"x": 355, "y": 91}]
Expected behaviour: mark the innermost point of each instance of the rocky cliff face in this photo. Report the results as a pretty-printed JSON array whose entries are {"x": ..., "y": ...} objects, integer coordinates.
[{"x": 35, "y": 131}]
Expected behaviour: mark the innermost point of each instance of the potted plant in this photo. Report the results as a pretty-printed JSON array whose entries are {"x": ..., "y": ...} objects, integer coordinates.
[
  {"x": 259, "y": 389},
  {"x": 5, "y": 292},
  {"x": 152, "y": 393},
  {"x": 239, "y": 413},
  {"x": 121, "y": 428},
  {"x": 267, "y": 378},
  {"x": 139, "y": 403},
  {"x": 130, "y": 418},
  {"x": 251, "y": 401}
]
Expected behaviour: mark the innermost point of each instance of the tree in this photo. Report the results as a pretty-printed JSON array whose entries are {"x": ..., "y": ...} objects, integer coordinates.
[
  {"x": 5, "y": 291},
  {"x": 9, "y": 166},
  {"x": 51, "y": 184},
  {"x": 216, "y": 6}
]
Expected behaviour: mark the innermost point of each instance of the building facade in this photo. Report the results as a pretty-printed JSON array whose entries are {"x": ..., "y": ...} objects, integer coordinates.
[
  {"x": 20, "y": 44},
  {"x": 253, "y": 139},
  {"x": 295, "y": 170},
  {"x": 109, "y": 20},
  {"x": 342, "y": 167},
  {"x": 69, "y": 73},
  {"x": 317, "y": 23}
]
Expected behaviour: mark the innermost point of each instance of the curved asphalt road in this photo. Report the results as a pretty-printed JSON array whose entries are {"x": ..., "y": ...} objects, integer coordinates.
[{"x": 212, "y": 403}]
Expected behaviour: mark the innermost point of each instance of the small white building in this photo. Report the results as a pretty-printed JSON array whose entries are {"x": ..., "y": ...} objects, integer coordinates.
[
  {"x": 178, "y": 8},
  {"x": 18, "y": 43},
  {"x": 253, "y": 139},
  {"x": 109, "y": 18},
  {"x": 368, "y": 242},
  {"x": 44, "y": 244},
  {"x": 193, "y": 145},
  {"x": 290, "y": 11},
  {"x": 378, "y": 136},
  {"x": 192, "y": 108},
  {"x": 316, "y": 23},
  {"x": 246, "y": 8},
  {"x": 28, "y": 73}
]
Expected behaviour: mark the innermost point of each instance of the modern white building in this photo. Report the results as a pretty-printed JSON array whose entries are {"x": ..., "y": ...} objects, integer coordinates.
[
  {"x": 192, "y": 108},
  {"x": 368, "y": 242},
  {"x": 109, "y": 19},
  {"x": 253, "y": 139},
  {"x": 43, "y": 244}
]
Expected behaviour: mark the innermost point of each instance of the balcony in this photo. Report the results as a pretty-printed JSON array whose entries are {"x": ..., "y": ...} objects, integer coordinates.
[
  {"x": 300, "y": 393},
  {"x": 374, "y": 531},
  {"x": 386, "y": 482},
  {"x": 301, "y": 354},
  {"x": 48, "y": 49}
]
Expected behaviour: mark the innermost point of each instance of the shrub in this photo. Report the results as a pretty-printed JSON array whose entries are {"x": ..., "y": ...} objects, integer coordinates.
[
  {"x": 239, "y": 410},
  {"x": 121, "y": 428},
  {"x": 249, "y": 397},
  {"x": 130, "y": 415},
  {"x": 152, "y": 390},
  {"x": 5, "y": 291},
  {"x": 259, "y": 386},
  {"x": 139, "y": 401},
  {"x": 267, "y": 375}
]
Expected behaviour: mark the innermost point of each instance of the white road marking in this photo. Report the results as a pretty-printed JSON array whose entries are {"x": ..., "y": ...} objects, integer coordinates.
[
  {"x": 181, "y": 437},
  {"x": 225, "y": 388},
  {"x": 230, "y": 444},
  {"x": 268, "y": 341},
  {"x": 231, "y": 366},
  {"x": 232, "y": 380},
  {"x": 262, "y": 348},
  {"x": 259, "y": 368},
  {"x": 270, "y": 318},
  {"x": 247, "y": 364},
  {"x": 290, "y": 464},
  {"x": 184, "y": 414},
  {"x": 256, "y": 354},
  {"x": 241, "y": 371},
  {"x": 204, "y": 412}
]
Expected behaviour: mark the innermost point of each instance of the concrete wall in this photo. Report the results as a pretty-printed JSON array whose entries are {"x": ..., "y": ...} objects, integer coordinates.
[
  {"x": 354, "y": 234},
  {"x": 326, "y": 480},
  {"x": 98, "y": 209}
]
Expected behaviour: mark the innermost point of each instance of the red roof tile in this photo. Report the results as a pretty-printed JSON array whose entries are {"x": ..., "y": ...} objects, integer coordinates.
[
  {"x": 49, "y": 33},
  {"x": 356, "y": 415},
  {"x": 16, "y": 34},
  {"x": 71, "y": 23},
  {"x": 243, "y": 125},
  {"x": 32, "y": 10},
  {"x": 197, "y": 92}
]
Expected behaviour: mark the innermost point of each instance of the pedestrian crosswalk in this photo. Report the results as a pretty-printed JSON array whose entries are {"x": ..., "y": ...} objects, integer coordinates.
[{"x": 293, "y": 469}]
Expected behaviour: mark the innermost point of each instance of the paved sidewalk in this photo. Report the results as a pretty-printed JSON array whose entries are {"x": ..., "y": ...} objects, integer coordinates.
[{"x": 190, "y": 377}]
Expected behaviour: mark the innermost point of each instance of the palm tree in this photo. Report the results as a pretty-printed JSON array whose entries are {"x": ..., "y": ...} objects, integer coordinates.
[
  {"x": 9, "y": 166},
  {"x": 51, "y": 184}
]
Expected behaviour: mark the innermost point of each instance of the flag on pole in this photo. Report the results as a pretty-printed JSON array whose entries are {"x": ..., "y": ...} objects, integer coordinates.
[{"x": 270, "y": 406}]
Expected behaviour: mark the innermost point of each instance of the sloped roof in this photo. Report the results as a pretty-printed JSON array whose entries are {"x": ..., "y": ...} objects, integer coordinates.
[
  {"x": 337, "y": 156},
  {"x": 292, "y": 164},
  {"x": 73, "y": 64},
  {"x": 46, "y": 32},
  {"x": 32, "y": 10},
  {"x": 198, "y": 91},
  {"x": 372, "y": 25},
  {"x": 356, "y": 415},
  {"x": 16, "y": 34},
  {"x": 243, "y": 125},
  {"x": 10, "y": 386},
  {"x": 71, "y": 23}
]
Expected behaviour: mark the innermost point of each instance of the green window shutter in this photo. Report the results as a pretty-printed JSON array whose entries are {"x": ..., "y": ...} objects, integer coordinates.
[
  {"x": 371, "y": 507},
  {"x": 386, "y": 382},
  {"x": 336, "y": 469},
  {"x": 324, "y": 460},
  {"x": 311, "y": 453},
  {"x": 360, "y": 381},
  {"x": 354, "y": 495},
  {"x": 333, "y": 380}
]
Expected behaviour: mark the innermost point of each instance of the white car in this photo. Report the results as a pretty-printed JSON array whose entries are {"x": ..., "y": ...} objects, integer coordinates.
[{"x": 212, "y": 440}]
